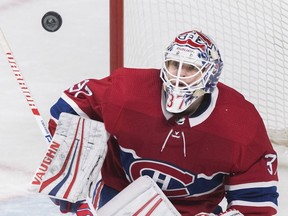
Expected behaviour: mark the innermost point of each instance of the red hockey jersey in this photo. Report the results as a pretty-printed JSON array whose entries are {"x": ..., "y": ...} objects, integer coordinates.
[{"x": 196, "y": 160}]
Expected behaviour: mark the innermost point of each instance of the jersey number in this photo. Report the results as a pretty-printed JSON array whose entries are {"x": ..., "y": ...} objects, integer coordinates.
[
  {"x": 81, "y": 88},
  {"x": 171, "y": 101}
]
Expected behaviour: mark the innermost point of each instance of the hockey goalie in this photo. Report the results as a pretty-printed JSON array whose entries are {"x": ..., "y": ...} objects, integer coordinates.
[
  {"x": 71, "y": 166},
  {"x": 198, "y": 139}
]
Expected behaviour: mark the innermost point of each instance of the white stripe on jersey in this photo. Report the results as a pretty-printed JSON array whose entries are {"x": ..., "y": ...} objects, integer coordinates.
[
  {"x": 256, "y": 204},
  {"x": 74, "y": 105},
  {"x": 251, "y": 185}
]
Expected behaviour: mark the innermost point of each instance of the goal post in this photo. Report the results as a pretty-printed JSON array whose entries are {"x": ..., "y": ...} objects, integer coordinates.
[
  {"x": 116, "y": 33},
  {"x": 252, "y": 37}
]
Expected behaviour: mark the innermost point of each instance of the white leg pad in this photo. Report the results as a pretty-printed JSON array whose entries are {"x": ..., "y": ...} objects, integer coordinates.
[{"x": 141, "y": 197}]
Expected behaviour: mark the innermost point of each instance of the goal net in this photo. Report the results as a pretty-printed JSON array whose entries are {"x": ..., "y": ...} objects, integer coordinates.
[{"x": 252, "y": 37}]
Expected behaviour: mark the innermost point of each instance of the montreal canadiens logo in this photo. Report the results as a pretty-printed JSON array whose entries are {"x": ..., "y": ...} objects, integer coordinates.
[{"x": 173, "y": 181}]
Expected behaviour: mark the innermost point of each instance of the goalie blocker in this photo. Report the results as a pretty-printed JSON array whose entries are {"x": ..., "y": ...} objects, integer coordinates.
[{"x": 73, "y": 160}]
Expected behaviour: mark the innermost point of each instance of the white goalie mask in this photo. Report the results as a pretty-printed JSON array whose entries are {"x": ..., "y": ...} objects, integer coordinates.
[{"x": 192, "y": 66}]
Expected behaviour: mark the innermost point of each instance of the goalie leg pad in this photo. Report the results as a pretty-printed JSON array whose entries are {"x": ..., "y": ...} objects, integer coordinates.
[
  {"x": 73, "y": 160},
  {"x": 141, "y": 197}
]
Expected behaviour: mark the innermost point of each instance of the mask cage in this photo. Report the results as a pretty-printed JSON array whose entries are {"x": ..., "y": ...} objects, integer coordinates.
[{"x": 193, "y": 76}]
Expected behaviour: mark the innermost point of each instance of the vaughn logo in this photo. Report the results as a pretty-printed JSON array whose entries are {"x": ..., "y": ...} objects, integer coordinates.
[{"x": 50, "y": 154}]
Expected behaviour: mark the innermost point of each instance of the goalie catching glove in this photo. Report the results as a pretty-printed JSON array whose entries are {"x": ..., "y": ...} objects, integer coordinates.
[{"x": 73, "y": 160}]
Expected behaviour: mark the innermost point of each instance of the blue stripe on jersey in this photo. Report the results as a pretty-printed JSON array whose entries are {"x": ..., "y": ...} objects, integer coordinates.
[
  {"x": 59, "y": 107},
  {"x": 265, "y": 194}
]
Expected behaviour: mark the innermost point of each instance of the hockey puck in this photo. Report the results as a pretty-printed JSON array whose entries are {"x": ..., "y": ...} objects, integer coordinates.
[{"x": 51, "y": 21}]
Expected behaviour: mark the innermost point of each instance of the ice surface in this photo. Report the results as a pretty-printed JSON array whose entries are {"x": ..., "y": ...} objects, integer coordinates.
[{"x": 50, "y": 63}]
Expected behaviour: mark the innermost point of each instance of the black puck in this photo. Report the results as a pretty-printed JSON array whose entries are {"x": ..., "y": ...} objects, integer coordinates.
[{"x": 51, "y": 21}]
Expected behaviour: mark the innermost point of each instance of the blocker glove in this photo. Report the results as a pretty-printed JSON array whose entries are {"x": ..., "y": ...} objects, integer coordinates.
[{"x": 66, "y": 206}]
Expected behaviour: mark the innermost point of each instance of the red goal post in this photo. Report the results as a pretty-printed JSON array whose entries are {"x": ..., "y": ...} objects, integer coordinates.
[
  {"x": 116, "y": 17},
  {"x": 252, "y": 37}
]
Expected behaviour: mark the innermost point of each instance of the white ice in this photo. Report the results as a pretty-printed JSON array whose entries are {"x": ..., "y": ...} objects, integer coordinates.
[{"x": 50, "y": 63}]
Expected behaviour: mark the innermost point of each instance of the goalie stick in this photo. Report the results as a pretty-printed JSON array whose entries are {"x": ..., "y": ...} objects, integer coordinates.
[{"x": 19, "y": 77}]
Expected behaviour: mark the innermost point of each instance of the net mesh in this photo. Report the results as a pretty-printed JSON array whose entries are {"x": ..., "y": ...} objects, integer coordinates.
[{"x": 252, "y": 37}]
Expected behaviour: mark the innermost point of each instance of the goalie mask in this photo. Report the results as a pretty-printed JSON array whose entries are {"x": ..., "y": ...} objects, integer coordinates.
[{"x": 192, "y": 66}]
